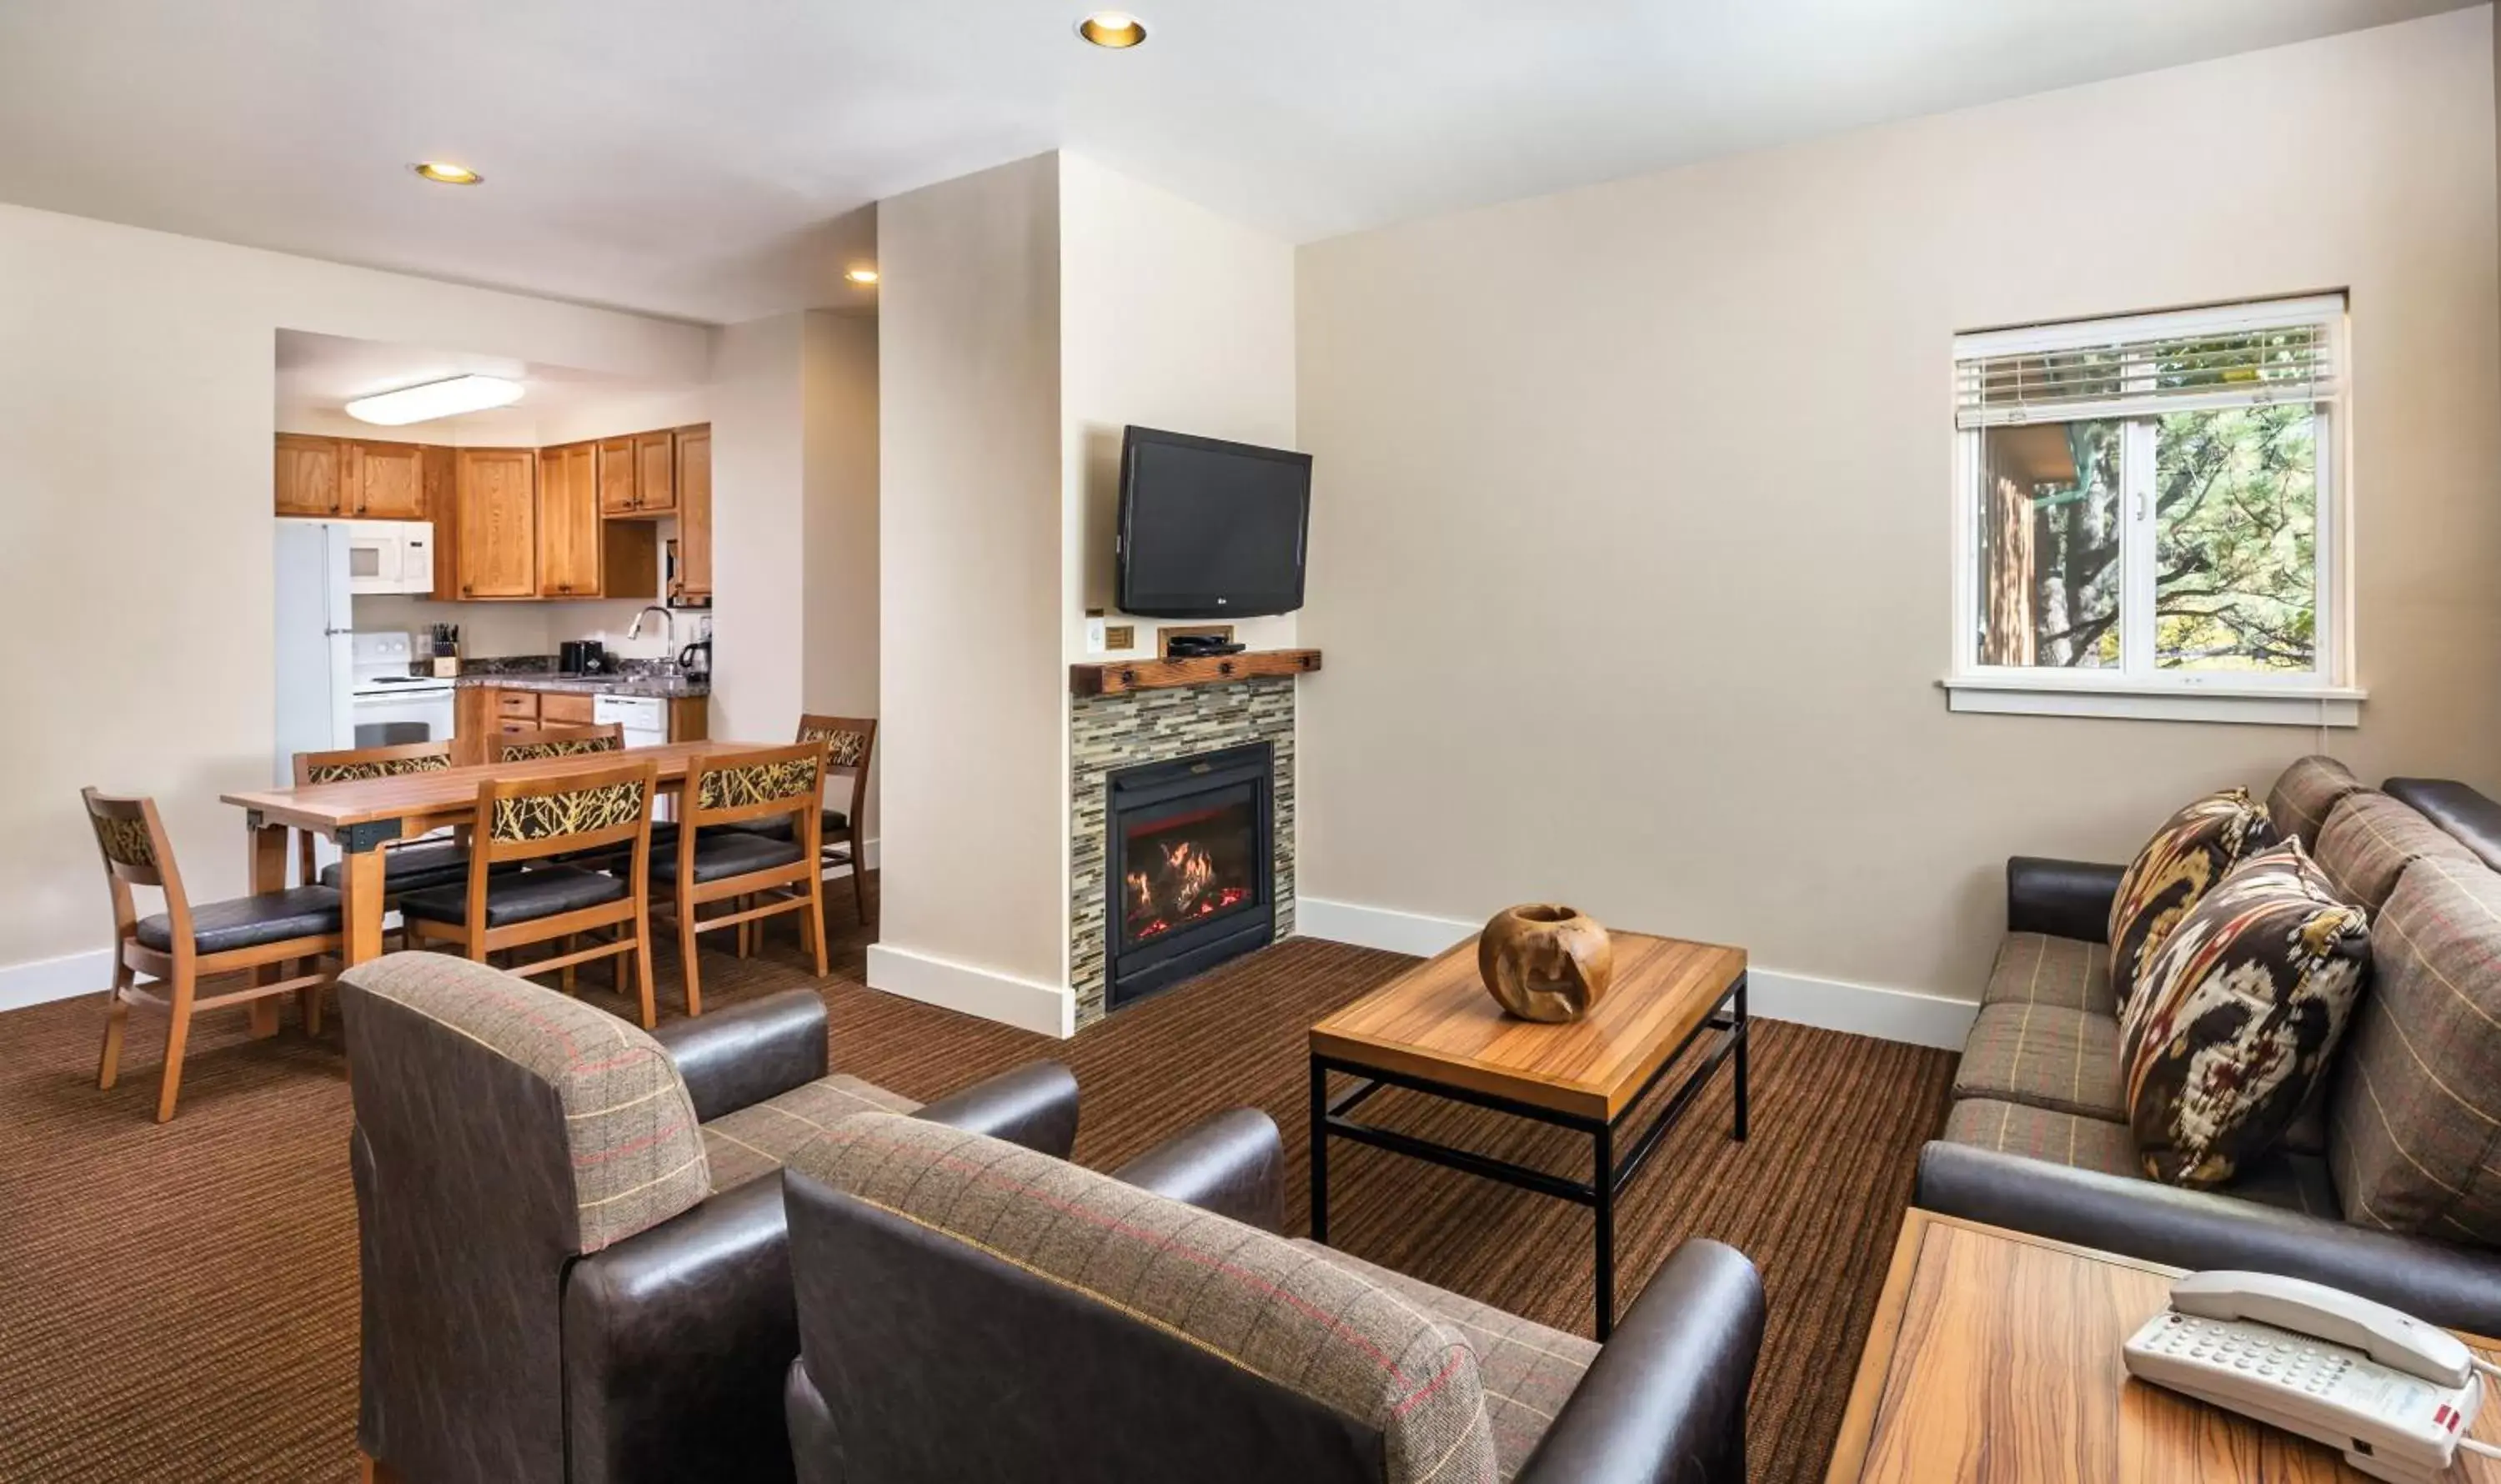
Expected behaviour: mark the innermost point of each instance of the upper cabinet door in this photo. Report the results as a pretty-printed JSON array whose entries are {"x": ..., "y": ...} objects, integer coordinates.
[
  {"x": 498, "y": 551},
  {"x": 308, "y": 475},
  {"x": 569, "y": 522},
  {"x": 616, "y": 475},
  {"x": 655, "y": 482},
  {"x": 694, "y": 511},
  {"x": 390, "y": 482}
]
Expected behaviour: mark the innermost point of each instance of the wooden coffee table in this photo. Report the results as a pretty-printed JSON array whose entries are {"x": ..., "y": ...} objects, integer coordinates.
[
  {"x": 1995, "y": 1356},
  {"x": 1436, "y": 1029}
]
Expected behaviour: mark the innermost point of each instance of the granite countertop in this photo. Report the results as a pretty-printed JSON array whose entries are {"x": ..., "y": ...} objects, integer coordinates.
[{"x": 640, "y": 677}]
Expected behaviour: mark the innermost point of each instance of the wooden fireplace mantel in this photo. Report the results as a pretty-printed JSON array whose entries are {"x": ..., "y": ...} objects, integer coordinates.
[{"x": 1124, "y": 675}]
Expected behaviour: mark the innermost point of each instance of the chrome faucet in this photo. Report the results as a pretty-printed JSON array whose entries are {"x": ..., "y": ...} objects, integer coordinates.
[{"x": 668, "y": 659}]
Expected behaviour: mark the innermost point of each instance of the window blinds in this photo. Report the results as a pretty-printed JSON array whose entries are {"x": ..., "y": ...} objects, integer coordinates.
[{"x": 2282, "y": 352}]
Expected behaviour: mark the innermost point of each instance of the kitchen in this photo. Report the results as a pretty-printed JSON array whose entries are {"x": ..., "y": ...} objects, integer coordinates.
[{"x": 467, "y": 545}]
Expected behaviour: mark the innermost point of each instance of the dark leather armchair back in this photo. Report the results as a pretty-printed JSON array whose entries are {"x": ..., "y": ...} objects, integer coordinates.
[
  {"x": 465, "y": 1219},
  {"x": 925, "y": 1361}
]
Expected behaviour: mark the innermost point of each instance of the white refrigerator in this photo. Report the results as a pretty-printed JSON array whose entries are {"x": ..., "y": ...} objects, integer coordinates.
[{"x": 315, "y": 672}]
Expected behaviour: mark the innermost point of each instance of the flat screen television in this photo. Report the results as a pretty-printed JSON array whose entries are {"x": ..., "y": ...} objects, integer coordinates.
[{"x": 1210, "y": 529}]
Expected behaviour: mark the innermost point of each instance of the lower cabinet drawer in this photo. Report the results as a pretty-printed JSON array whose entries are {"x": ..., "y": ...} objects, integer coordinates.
[
  {"x": 563, "y": 709},
  {"x": 523, "y": 705}
]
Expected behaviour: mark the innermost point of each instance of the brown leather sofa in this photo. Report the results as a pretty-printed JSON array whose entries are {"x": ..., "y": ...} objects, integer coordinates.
[
  {"x": 2038, "y": 1138},
  {"x": 968, "y": 1310},
  {"x": 575, "y": 1262}
]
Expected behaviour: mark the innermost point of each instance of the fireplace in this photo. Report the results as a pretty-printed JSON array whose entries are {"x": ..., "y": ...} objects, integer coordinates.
[{"x": 1191, "y": 847}]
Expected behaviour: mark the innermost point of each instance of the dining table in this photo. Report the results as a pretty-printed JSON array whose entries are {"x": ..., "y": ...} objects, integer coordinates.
[{"x": 362, "y": 816}]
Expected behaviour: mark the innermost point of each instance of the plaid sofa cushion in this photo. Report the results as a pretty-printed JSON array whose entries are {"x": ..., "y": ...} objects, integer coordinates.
[
  {"x": 2240, "y": 1017},
  {"x": 2061, "y": 1138},
  {"x": 1527, "y": 1370},
  {"x": 755, "y": 1139},
  {"x": 2305, "y": 795},
  {"x": 638, "y": 1159},
  {"x": 2370, "y": 839},
  {"x": 2182, "y": 863},
  {"x": 2035, "y": 969},
  {"x": 1279, "y": 1311},
  {"x": 2064, "y": 1061},
  {"x": 2415, "y": 1117}
]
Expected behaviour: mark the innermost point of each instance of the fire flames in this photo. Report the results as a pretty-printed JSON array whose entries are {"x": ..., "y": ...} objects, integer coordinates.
[{"x": 1187, "y": 890}]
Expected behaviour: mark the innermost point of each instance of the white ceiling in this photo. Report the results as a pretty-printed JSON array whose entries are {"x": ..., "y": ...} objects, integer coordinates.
[{"x": 713, "y": 161}]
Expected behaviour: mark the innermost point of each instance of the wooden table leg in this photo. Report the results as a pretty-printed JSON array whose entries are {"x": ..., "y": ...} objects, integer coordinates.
[
  {"x": 268, "y": 864},
  {"x": 360, "y": 888}
]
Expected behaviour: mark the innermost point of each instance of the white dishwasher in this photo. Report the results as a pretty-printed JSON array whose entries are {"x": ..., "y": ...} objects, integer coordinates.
[{"x": 644, "y": 718}]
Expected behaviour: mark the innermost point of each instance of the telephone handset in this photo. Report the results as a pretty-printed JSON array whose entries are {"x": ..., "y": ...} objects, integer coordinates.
[{"x": 2395, "y": 1394}]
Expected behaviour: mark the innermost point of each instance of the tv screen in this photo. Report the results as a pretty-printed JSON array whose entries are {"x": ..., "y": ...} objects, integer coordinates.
[{"x": 1210, "y": 529}]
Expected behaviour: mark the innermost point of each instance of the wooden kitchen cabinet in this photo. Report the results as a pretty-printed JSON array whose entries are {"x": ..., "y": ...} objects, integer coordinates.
[
  {"x": 382, "y": 481},
  {"x": 694, "y": 512},
  {"x": 655, "y": 471},
  {"x": 308, "y": 475},
  {"x": 495, "y": 548},
  {"x": 616, "y": 475},
  {"x": 568, "y": 522}
]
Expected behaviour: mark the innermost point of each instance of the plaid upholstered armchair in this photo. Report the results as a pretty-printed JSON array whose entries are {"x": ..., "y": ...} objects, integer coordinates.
[
  {"x": 1149, "y": 1326},
  {"x": 574, "y": 1255}
]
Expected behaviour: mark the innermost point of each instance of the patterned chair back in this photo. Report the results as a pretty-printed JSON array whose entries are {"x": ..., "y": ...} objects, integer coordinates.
[
  {"x": 359, "y": 764},
  {"x": 849, "y": 741},
  {"x": 546, "y": 742},
  {"x": 522, "y": 819},
  {"x": 731, "y": 788},
  {"x": 131, "y": 838}
]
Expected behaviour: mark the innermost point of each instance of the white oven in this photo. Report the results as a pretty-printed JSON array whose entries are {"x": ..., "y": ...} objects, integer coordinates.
[{"x": 390, "y": 556}]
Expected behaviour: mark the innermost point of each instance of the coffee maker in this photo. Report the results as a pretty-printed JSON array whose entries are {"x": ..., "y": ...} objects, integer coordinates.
[{"x": 582, "y": 656}]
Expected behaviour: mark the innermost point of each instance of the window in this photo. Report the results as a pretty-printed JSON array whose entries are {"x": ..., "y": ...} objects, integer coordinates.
[{"x": 2147, "y": 515}]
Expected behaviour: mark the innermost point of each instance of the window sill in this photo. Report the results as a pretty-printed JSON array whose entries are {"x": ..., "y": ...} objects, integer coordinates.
[{"x": 2246, "y": 705}]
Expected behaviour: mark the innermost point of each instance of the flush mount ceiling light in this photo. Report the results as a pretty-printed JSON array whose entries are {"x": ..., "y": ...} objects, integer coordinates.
[
  {"x": 861, "y": 275},
  {"x": 442, "y": 172},
  {"x": 1116, "y": 29},
  {"x": 435, "y": 399}
]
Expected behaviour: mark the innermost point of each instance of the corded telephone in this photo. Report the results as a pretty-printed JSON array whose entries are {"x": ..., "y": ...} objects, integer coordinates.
[{"x": 2395, "y": 1394}]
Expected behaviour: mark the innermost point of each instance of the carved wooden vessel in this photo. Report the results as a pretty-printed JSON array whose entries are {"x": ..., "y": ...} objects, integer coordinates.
[{"x": 1544, "y": 962}]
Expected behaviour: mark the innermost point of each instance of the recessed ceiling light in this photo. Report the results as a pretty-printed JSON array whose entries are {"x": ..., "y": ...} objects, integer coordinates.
[
  {"x": 443, "y": 171},
  {"x": 862, "y": 275},
  {"x": 435, "y": 399},
  {"x": 1116, "y": 29}
]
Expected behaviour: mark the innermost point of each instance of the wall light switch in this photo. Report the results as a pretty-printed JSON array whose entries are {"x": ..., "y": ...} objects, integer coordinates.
[{"x": 1094, "y": 636}]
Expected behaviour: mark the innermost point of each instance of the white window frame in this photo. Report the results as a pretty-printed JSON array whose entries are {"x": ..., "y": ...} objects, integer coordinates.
[{"x": 2325, "y": 696}]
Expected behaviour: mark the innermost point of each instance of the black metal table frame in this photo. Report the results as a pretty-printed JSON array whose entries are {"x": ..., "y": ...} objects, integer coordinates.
[{"x": 1607, "y": 1177}]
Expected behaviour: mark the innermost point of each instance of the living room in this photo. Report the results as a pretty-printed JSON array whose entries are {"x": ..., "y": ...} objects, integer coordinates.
[{"x": 1787, "y": 489}]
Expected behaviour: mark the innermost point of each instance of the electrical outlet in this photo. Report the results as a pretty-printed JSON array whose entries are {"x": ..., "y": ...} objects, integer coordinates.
[
  {"x": 1120, "y": 636},
  {"x": 1094, "y": 640}
]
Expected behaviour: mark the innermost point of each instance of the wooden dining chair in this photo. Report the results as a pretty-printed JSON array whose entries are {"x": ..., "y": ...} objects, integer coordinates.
[
  {"x": 848, "y": 741},
  {"x": 761, "y": 874},
  {"x": 539, "y": 742},
  {"x": 527, "y": 822},
  {"x": 181, "y": 946},
  {"x": 408, "y": 865}
]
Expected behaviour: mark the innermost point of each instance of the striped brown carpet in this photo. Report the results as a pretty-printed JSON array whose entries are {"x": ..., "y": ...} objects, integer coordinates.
[{"x": 180, "y": 1302}]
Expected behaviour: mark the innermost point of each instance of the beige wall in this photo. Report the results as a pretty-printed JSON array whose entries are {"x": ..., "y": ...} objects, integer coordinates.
[
  {"x": 973, "y": 695},
  {"x": 1171, "y": 317},
  {"x": 839, "y": 671},
  {"x": 1631, "y": 541},
  {"x": 760, "y": 507},
  {"x": 135, "y": 419}
]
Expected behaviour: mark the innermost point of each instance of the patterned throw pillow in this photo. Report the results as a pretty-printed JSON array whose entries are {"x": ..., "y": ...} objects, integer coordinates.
[
  {"x": 2181, "y": 863},
  {"x": 2239, "y": 1015}
]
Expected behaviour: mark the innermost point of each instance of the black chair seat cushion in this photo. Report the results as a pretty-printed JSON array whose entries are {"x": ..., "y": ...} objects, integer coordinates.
[
  {"x": 525, "y": 897},
  {"x": 248, "y": 922},
  {"x": 781, "y": 827},
  {"x": 730, "y": 853},
  {"x": 411, "y": 867}
]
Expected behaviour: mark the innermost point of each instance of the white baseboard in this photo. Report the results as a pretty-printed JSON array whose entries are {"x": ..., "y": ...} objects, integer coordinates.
[
  {"x": 48, "y": 979},
  {"x": 1833, "y": 1004},
  {"x": 985, "y": 992}
]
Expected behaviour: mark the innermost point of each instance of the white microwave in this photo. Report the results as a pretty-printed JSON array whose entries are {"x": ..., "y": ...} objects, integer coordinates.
[{"x": 390, "y": 556}]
